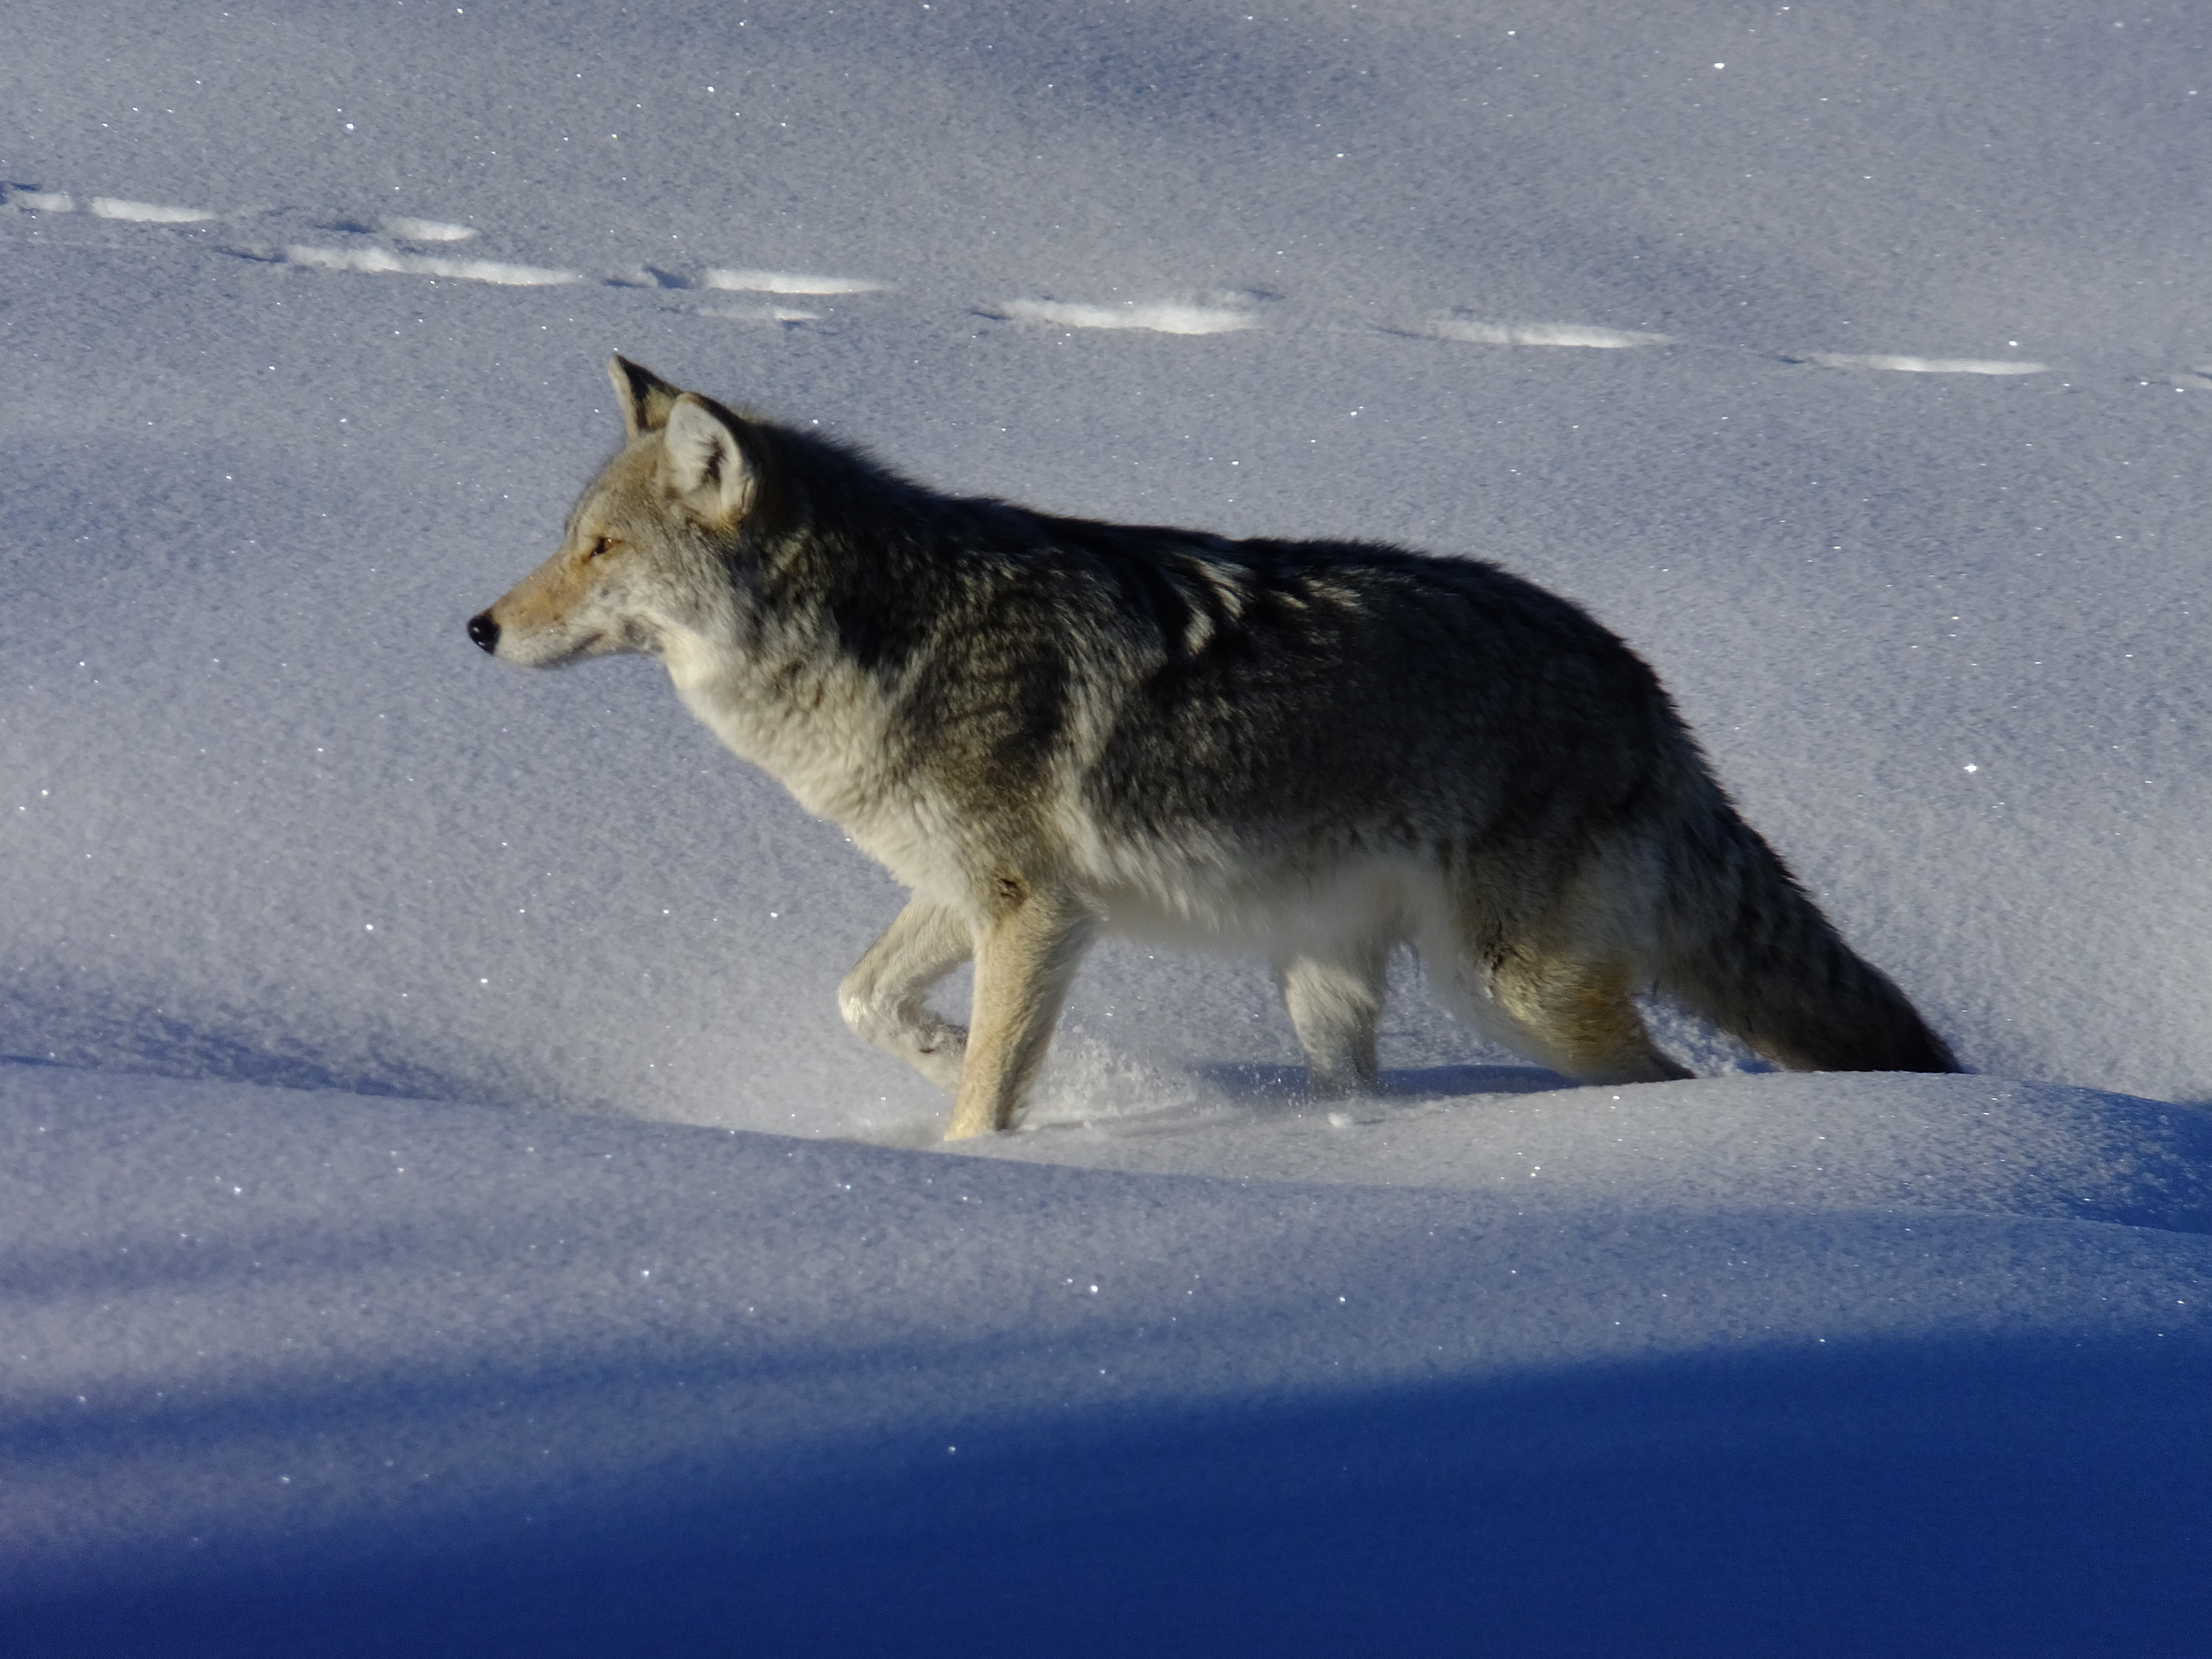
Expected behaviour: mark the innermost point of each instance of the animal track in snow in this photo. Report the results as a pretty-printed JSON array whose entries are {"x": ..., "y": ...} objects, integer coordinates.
[
  {"x": 785, "y": 315},
  {"x": 147, "y": 213},
  {"x": 787, "y": 282},
  {"x": 425, "y": 230},
  {"x": 372, "y": 251},
  {"x": 1921, "y": 365},
  {"x": 1476, "y": 331},
  {"x": 37, "y": 201},
  {"x": 726, "y": 281},
  {"x": 1160, "y": 317},
  {"x": 382, "y": 260},
  {"x": 1460, "y": 325}
]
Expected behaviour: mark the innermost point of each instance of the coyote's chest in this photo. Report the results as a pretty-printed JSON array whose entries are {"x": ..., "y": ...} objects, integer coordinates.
[{"x": 826, "y": 737}]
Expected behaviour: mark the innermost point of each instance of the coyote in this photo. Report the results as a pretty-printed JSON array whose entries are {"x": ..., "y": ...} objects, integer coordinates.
[{"x": 1050, "y": 728}]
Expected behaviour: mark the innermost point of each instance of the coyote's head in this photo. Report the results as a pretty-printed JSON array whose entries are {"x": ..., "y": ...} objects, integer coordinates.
[{"x": 643, "y": 564}]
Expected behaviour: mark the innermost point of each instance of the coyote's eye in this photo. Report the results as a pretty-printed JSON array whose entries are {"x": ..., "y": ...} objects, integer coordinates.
[{"x": 598, "y": 547}]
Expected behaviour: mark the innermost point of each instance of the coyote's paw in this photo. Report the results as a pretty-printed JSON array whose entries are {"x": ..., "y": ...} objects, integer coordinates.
[
  {"x": 934, "y": 1047},
  {"x": 938, "y": 1054}
]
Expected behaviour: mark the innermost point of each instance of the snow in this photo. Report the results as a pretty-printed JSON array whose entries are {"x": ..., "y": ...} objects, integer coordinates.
[{"x": 444, "y": 1211}]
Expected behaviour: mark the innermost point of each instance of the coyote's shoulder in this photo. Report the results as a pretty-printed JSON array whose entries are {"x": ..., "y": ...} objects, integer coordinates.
[{"x": 1050, "y": 727}]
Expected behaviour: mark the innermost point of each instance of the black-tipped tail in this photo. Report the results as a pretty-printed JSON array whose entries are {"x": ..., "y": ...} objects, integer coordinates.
[{"x": 1749, "y": 950}]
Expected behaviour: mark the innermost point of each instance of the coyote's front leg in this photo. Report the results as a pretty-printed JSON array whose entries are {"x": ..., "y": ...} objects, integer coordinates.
[
  {"x": 882, "y": 997},
  {"x": 1024, "y": 961}
]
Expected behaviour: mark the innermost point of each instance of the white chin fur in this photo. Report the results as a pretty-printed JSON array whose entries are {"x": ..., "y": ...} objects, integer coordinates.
[{"x": 544, "y": 653}]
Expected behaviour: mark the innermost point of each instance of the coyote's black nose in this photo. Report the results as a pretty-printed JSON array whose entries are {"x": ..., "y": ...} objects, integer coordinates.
[{"x": 484, "y": 631}]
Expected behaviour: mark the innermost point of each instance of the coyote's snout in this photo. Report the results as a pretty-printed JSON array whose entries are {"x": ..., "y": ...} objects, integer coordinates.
[{"x": 1049, "y": 728}]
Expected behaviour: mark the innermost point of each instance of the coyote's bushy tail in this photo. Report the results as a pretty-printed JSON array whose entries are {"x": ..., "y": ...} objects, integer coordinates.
[{"x": 1746, "y": 947}]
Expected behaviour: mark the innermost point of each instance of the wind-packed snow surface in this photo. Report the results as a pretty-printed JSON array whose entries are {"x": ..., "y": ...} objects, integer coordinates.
[{"x": 1852, "y": 361}]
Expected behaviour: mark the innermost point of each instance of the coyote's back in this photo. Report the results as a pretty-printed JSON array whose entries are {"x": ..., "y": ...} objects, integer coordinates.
[{"x": 1049, "y": 728}]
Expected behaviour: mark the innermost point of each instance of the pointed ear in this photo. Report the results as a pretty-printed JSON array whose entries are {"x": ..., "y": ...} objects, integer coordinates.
[
  {"x": 703, "y": 461},
  {"x": 645, "y": 397}
]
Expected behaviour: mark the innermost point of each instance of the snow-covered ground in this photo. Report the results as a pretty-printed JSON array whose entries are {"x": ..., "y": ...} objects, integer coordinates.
[{"x": 444, "y": 1211}]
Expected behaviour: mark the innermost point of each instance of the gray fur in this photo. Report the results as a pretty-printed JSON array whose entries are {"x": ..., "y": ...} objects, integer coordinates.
[{"x": 1050, "y": 727}]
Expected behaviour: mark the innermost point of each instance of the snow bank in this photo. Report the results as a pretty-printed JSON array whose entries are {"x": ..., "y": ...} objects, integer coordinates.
[{"x": 270, "y": 1354}]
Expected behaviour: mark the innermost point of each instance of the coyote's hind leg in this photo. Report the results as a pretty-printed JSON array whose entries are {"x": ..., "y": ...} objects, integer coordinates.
[
  {"x": 1334, "y": 997},
  {"x": 1579, "y": 1018},
  {"x": 882, "y": 997}
]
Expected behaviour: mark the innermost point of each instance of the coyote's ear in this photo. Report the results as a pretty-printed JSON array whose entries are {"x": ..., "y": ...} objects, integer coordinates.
[
  {"x": 646, "y": 398},
  {"x": 703, "y": 461}
]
